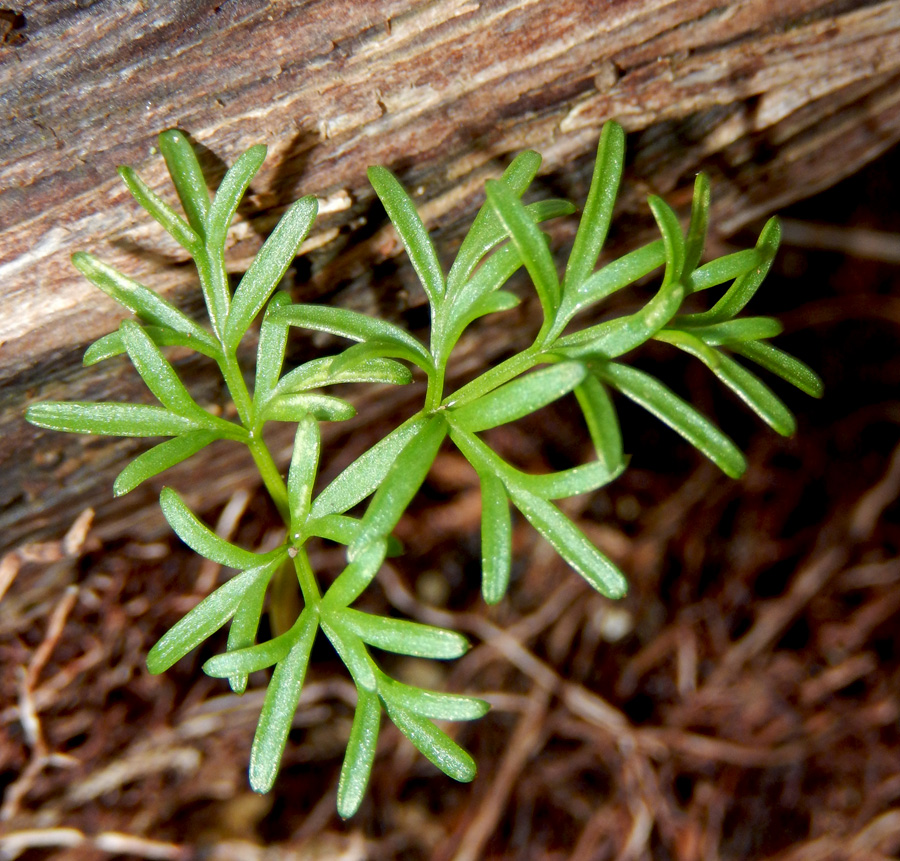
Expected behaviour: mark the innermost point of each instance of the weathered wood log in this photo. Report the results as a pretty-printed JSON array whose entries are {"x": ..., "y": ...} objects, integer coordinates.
[{"x": 776, "y": 101}]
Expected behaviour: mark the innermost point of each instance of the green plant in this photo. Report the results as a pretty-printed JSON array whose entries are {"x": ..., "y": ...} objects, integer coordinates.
[{"x": 587, "y": 361}]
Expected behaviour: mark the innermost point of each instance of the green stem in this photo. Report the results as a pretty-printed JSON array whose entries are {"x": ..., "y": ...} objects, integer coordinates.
[
  {"x": 546, "y": 333},
  {"x": 270, "y": 475},
  {"x": 237, "y": 388},
  {"x": 240, "y": 395},
  {"x": 496, "y": 376},
  {"x": 307, "y": 579},
  {"x": 285, "y": 604},
  {"x": 435, "y": 391}
]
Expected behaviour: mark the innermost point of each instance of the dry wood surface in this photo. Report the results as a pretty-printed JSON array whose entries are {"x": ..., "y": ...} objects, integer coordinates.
[{"x": 775, "y": 100}]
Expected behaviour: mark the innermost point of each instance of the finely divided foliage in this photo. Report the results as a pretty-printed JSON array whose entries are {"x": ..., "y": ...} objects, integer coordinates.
[{"x": 587, "y": 362}]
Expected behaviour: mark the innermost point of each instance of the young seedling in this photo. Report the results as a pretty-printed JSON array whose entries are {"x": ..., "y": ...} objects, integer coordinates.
[{"x": 588, "y": 362}]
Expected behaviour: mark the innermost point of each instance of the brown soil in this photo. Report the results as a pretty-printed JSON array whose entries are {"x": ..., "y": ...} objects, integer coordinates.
[{"x": 741, "y": 702}]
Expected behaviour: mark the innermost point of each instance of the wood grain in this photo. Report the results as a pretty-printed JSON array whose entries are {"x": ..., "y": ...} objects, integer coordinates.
[{"x": 775, "y": 101}]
